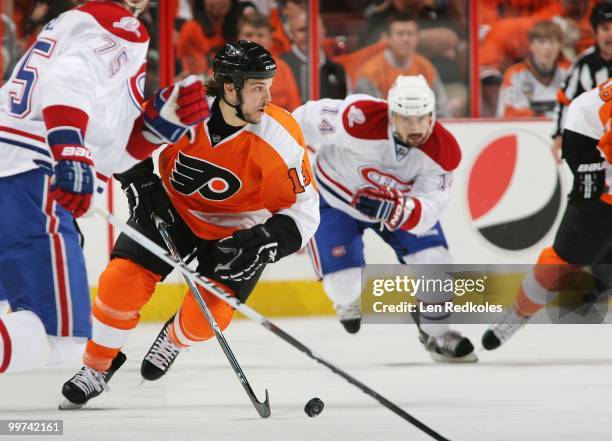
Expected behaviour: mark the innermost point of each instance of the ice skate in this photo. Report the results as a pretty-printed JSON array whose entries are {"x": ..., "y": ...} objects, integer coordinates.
[
  {"x": 350, "y": 316},
  {"x": 451, "y": 347},
  {"x": 160, "y": 357},
  {"x": 504, "y": 328},
  {"x": 87, "y": 384}
]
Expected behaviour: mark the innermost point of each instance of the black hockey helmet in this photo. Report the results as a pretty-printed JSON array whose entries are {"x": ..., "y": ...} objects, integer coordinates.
[
  {"x": 602, "y": 12},
  {"x": 237, "y": 62}
]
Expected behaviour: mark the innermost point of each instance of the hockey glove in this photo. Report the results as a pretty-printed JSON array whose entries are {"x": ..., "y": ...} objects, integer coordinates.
[
  {"x": 146, "y": 196},
  {"x": 387, "y": 205},
  {"x": 245, "y": 252},
  {"x": 173, "y": 110},
  {"x": 72, "y": 184}
]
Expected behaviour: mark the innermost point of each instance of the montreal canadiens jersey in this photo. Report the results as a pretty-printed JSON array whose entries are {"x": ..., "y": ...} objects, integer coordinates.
[
  {"x": 90, "y": 58},
  {"x": 260, "y": 170},
  {"x": 355, "y": 148}
]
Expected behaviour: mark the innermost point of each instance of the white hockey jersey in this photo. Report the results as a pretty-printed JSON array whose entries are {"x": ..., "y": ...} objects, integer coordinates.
[
  {"x": 89, "y": 60},
  {"x": 355, "y": 148}
]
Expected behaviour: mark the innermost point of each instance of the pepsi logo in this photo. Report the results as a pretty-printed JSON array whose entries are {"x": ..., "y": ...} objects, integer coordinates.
[{"x": 514, "y": 190}]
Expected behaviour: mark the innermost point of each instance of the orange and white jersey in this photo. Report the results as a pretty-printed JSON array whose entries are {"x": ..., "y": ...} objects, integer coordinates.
[
  {"x": 525, "y": 92},
  {"x": 260, "y": 170},
  {"x": 589, "y": 113}
]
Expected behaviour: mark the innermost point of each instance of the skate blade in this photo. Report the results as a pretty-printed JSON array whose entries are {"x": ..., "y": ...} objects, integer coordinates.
[
  {"x": 69, "y": 405},
  {"x": 469, "y": 358}
]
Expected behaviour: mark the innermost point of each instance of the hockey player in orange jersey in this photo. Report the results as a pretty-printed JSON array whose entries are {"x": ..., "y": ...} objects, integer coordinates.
[
  {"x": 238, "y": 195},
  {"x": 584, "y": 237}
]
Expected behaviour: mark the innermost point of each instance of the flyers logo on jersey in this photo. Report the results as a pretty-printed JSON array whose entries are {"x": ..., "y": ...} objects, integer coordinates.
[{"x": 214, "y": 183}]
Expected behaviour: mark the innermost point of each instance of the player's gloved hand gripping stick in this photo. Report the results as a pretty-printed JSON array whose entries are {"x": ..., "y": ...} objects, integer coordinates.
[
  {"x": 254, "y": 315},
  {"x": 247, "y": 250},
  {"x": 388, "y": 205},
  {"x": 263, "y": 409}
]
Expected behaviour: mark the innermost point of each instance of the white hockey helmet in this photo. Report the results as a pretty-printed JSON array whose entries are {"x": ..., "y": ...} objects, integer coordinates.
[{"x": 411, "y": 96}]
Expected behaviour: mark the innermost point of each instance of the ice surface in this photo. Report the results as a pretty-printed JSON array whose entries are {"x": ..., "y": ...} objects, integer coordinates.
[{"x": 550, "y": 382}]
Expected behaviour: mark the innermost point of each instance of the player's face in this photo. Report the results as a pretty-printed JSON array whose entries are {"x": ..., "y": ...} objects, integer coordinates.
[
  {"x": 299, "y": 31},
  {"x": 255, "y": 98},
  {"x": 545, "y": 51},
  {"x": 603, "y": 35},
  {"x": 411, "y": 129}
]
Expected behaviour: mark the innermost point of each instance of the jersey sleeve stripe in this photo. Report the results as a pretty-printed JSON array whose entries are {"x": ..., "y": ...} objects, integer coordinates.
[
  {"x": 65, "y": 116},
  {"x": 39, "y": 150},
  {"x": 22, "y": 133},
  {"x": 64, "y": 136}
]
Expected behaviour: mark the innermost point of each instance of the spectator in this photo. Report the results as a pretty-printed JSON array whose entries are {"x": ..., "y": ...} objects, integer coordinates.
[
  {"x": 492, "y": 10},
  {"x": 591, "y": 68},
  {"x": 213, "y": 24},
  {"x": 332, "y": 75},
  {"x": 285, "y": 93},
  {"x": 184, "y": 12},
  {"x": 400, "y": 58},
  {"x": 530, "y": 87},
  {"x": 436, "y": 34},
  {"x": 32, "y": 20},
  {"x": 280, "y": 18},
  {"x": 353, "y": 61},
  {"x": 508, "y": 43}
]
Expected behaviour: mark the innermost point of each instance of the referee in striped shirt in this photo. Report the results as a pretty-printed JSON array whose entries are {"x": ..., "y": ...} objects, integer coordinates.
[{"x": 591, "y": 67}]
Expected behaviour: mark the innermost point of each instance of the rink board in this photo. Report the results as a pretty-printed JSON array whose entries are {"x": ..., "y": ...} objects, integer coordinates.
[
  {"x": 289, "y": 298},
  {"x": 506, "y": 201}
]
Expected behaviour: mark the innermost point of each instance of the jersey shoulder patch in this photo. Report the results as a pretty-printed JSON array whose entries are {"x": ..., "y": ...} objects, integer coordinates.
[
  {"x": 117, "y": 20},
  {"x": 366, "y": 119},
  {"x": 442, "y": 148}
]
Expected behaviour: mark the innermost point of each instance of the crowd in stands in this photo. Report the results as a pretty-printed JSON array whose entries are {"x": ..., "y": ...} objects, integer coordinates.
[{"x": 525, "y": 46}]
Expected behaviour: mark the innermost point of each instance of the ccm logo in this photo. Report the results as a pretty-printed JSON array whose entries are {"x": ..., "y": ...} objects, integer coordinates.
[
  {"x": 80, "y": 152},
  {"x": 597, "y": 166}
]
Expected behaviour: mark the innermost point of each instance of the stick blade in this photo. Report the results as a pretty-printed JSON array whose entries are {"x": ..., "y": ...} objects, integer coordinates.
[{"x": 263, "y": 409}]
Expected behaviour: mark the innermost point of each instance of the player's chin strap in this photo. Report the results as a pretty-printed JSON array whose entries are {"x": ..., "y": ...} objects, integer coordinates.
[{"x": 237, "y": 107}]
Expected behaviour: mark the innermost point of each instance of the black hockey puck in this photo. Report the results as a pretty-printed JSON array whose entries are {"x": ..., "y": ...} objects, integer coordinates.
[{"x": 314, "y": 407}]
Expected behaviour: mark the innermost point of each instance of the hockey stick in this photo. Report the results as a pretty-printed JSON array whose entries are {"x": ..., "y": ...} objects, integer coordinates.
[
  {"x": 158, "y": 251},
  {"x": 263, "y": 409}
]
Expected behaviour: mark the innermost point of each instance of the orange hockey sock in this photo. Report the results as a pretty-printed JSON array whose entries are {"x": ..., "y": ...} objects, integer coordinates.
[
  {"x": 190, "y": 326},
  {"x": 124, "y": 288},
  {"x": 543, "y": 282}
]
